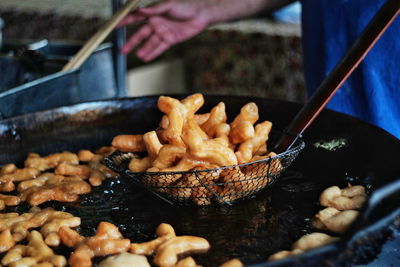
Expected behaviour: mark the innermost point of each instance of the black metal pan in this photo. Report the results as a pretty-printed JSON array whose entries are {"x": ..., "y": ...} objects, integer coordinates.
[{"x": 338, "y": 149}]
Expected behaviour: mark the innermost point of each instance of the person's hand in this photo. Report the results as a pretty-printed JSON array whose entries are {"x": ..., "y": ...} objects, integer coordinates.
[{"x": 167, "y": 23}]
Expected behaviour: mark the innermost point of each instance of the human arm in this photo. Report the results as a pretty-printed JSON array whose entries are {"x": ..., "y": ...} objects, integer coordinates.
[{"x": 173, "y": 21}]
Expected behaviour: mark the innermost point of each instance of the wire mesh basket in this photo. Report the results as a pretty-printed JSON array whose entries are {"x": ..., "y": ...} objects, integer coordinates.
[{"x": 223, "y": 185}]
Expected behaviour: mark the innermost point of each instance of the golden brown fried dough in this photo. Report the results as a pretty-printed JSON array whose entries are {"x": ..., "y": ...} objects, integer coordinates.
[
  {"x": 129, "y": 143},
  {"x": 350, "y": 198}
]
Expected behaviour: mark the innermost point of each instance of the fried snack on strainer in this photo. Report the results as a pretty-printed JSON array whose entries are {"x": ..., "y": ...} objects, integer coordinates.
[
  {"x": 177, "y": 114},
  {"x": 140, "y": 165},
  {"x": 350, "y": 198},
  {"x": 168, "y": 155},
  {"x": 242, "y": 126},
  {"x": 65, "y": 191},
  {"x": 209, "y": 150},
  {"x": 248, "y": 148},
  {"x": 201, "y": 118},
  {"x": 36, "y": 253},
  {"x": 107, "y": 241},
  {"x": 217, "y": 117},
  {"x": 185, "y": 141},
  {"x": 273, "y": 167},
  {"x": 51, "y": 161},
  {"x": 152, "y": 144},
  {"x": 238, "y": 184}
]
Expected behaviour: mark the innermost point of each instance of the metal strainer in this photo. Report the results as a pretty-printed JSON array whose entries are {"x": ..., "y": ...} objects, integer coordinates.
[{"x": 222, "y": 185}]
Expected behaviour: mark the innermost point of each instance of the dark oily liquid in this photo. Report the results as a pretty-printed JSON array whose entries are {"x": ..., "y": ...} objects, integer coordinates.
[{"x": 250, "y": 230}]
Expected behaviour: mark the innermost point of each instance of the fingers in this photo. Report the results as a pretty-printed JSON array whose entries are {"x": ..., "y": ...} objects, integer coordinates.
[
  {"x": 131, "y": 18},
  {"x": 163, "y": 28},
  {"x": 161, "y": 48},
  {"x": 159, "y": 9},
  {"x": 152, "y": 43},
  {"x": 136, "y": 38}
]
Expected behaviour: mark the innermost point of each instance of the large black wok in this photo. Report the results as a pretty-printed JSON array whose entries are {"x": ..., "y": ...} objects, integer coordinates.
[{"x": 252, "y": 229}]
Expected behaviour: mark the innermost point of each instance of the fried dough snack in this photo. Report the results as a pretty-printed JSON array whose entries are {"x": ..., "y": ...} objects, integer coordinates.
[
  {"x": 164, "y": 232},
  {"x": 167, "y": 246},
  {"x": 8, "y": 168},
  {"x": 350, "y": 198},
  {"x": 66, "y": 169},
  {"x": 185, "y": 141},
  {"x": 6, "y": 241},
  {"x": 34, "y": 254},
  {"x": 51, "y": 161},
  {"x": 333, "y": 220},
  {"x": 152, "y": 143},
  {"x": 209, "y": 150},
  {"x": 107, "y": 241},
  {"x": 242, "y": 125},
  {"x": 167, "y": 253},
  {"x": 129, "y": 143},
  {"x": 217, "y": 116},
  {"x": 7, "y": 200},
  {"x": 19, "y": 175},
  {"x": 140, "y": 165},
  {"x": 125, "y": 259},
  {"x": 66, "y": 191},
  {"x": 187, "y": 262},
  {"x": 49, "y": 219},
  {"x": 305, "y": 243},
  {"x": 239, "y": 184},
  {"x": 99, "y": 172},
  {"x": 247, "y": 149},
  {"x": 197, "y": 186},
  {"x": 233, "y": 263}
]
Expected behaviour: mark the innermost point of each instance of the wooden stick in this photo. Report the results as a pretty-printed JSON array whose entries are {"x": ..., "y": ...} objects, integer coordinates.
[{"x": 99, "y": 36}]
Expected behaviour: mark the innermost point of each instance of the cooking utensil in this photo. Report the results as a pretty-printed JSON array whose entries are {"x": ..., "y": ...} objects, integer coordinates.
[
  {"x": 250, "y": 230},
  {"x": 247, "y": 179},
  {"x": 99, "y": 36},
  {"x": 376, "y": 27}
]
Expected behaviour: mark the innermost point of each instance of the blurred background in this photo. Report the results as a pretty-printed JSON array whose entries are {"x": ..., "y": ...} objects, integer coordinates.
[{"x": 259, "y": 56}]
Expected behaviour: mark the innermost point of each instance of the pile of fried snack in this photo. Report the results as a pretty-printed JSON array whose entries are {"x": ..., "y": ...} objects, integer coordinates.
[
  {"x": 55, "y": 228},
  {"x": 186, "y": 141},
  {"x": 341, "y": 210},
  {"x": 60, "y": 177}
]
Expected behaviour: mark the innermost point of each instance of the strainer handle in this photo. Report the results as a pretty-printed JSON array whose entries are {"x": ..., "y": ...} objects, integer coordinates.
[{"x": 376, "y": 27}]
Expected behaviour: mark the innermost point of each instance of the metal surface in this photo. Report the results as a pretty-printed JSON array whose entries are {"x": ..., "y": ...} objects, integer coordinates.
[
  {"x": 94, "y": 81},
  {"x": 118, "y": 39},
  {"x": 339, "y": 149},
  {"x": 203, "y": 187}
]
